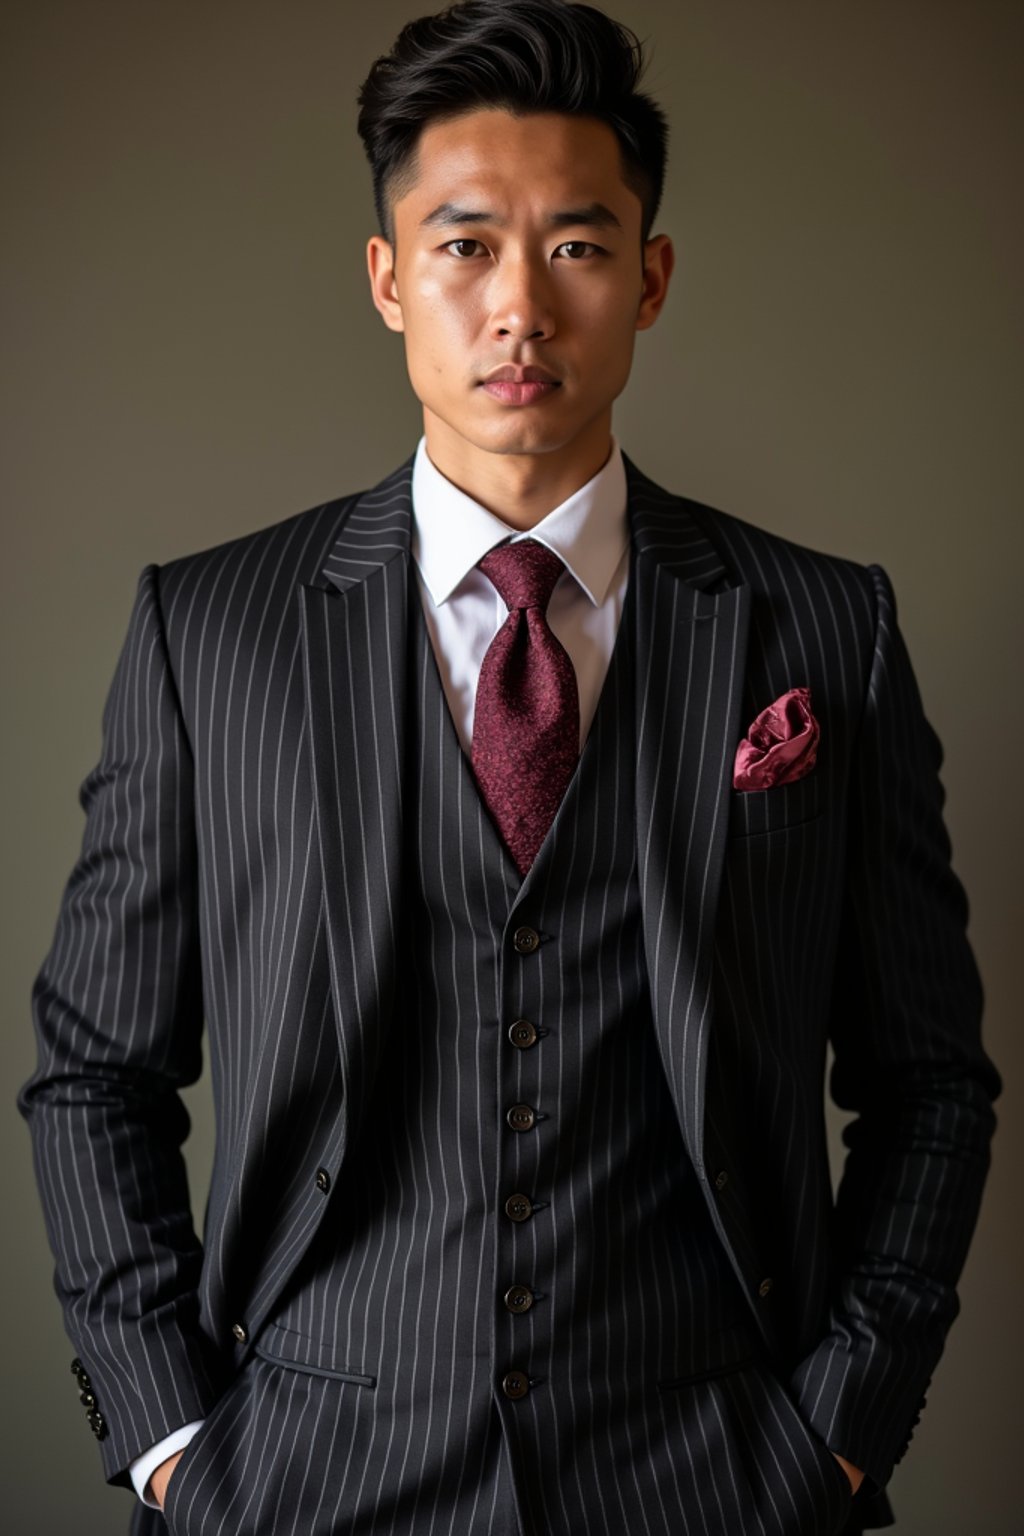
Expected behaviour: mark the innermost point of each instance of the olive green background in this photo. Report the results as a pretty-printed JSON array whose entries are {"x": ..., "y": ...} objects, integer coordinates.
[{"x": 190, "y": 352}]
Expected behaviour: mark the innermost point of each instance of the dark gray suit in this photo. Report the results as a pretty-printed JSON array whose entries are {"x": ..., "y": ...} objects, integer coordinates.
[{"x": 282, "y": 835}]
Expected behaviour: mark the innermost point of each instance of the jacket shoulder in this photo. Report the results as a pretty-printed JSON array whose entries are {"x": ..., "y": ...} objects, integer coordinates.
[
  {"x": 769, "y": 561},
  {"x": 738, "y": 551},
  {"x": 291, "y": 550}
]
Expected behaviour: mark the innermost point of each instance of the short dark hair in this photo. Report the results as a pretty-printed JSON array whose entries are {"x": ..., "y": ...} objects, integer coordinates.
[{"x": 521, "y": 56}]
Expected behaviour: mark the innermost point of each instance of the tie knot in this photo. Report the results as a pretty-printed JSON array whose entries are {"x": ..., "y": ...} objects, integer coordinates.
[{"x": 524, "y": 573}]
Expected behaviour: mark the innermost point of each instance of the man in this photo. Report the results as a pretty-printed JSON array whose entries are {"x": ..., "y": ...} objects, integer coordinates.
[{"x": 524, "y": 833}]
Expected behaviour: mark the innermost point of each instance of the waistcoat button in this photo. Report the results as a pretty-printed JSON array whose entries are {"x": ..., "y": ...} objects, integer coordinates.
[
  {"x": 521, "y": 1117},
  {"x": 323, "y": 1180},
  {"x": 525, "y": 940},
  {"x": 518, "y": 1298},
  {"x": 518, "y": 1207},
  {"x": 721, "y": 1180},
  {"x": 522, "y": 1033},
  {"x": 765, "y": 1286},
  {"x": 238, "y": 1329},
  {"x": 514, "y": 1384}
]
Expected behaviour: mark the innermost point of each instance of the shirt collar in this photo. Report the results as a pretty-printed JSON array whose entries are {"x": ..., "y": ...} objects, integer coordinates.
[{"x": 589, "y": 531}]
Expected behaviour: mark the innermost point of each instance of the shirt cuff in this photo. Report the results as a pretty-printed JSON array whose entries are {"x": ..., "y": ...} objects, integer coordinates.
[{"x": 143, "y": 1467}]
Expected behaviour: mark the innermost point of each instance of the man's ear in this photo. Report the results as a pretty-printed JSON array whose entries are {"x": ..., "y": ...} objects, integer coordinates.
[
  {"x": 380, "y": 263},
  {"x": 659, "y": 260}
]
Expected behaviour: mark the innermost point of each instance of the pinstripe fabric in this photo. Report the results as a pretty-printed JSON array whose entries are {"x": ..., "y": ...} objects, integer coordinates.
[
  {"x": 406, "y": 1288},
  {"x": 243, "y": 858}
]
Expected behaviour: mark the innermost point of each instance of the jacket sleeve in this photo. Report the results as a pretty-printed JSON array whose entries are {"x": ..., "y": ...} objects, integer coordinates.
[
  {"x": 909, "y": 1063},
  {"x": 117, "y": 1011}
]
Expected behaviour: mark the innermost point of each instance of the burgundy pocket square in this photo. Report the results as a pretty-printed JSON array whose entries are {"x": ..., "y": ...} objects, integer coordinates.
[{"x": 781, "y": 744}]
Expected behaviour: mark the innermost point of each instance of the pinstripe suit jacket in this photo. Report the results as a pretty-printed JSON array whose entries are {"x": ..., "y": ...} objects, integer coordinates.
[{"x": 241, "y": 862}]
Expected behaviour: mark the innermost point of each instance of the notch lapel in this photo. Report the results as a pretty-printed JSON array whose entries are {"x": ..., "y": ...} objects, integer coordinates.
[
  {"x": 354, "y": 633},
  {"x": 691, "y": 649}
]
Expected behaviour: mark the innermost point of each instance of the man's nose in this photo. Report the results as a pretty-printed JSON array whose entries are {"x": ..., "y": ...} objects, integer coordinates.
[{"x": 521, "y": 303}]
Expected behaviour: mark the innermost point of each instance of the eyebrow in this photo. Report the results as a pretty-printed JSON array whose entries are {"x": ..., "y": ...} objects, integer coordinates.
[{"x": 593, "y": 216}]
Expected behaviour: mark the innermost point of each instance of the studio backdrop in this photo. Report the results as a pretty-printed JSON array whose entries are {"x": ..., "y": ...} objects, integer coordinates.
[{"x": 190, "y": 352}]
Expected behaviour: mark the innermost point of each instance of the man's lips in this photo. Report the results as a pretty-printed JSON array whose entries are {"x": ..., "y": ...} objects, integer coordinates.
[
  {"x": 520, "y": 394},
  {"x": 519, "y": 386}
]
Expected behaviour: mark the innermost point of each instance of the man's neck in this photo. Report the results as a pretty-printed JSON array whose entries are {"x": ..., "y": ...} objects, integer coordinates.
[{"x": 520, "y": 488}]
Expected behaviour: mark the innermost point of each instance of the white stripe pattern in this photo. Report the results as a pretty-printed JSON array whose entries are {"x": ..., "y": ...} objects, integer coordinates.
[{"x": 243, "y": 862}]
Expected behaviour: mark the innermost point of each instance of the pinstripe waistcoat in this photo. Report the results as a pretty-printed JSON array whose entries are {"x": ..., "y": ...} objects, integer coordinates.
[{"x": 251, "y": 828}]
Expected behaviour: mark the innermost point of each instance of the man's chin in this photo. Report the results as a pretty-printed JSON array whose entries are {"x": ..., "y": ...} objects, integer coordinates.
[{"x": 519, "y": 431}]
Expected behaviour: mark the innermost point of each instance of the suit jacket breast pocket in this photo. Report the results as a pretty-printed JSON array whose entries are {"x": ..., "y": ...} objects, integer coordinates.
[{"x": 754, "y": 812}]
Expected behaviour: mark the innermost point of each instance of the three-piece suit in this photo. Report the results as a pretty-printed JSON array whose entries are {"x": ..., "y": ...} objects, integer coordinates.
[{"x": 521, "y": 1218}]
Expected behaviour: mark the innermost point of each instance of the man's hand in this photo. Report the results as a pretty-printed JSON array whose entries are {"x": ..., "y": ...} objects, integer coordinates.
[
  {"x": 855, "y": 1475},
  {"x": 162, "y": 1476}
]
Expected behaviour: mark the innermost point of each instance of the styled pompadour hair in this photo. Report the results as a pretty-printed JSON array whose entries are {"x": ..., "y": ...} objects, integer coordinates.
[{"x": 521, "y": 56}]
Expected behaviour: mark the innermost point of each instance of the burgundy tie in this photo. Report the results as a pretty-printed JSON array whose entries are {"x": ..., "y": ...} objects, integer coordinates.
[{"x": 526, "y": 722}]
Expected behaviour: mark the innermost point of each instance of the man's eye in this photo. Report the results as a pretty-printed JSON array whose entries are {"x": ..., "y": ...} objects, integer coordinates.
[
  {"x": 453, "y": 246},
  {"x": 575, "y": 249}
]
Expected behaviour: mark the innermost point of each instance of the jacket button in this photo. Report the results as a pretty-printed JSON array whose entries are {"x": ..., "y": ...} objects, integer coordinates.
[
  {"x": 97, "y": 1423},
  {"x": 721, "y": 1180},
  {"x": 521, "y": 1117},
  {"x": 525, "y": 941},
  {"x": 522, "y": 1033},
  {"x": 323, "y": 1180},
  {"x": 515, "y": 1384},
  {"x": 238, "y": 1329},
  {"x": 76, "y": 1366},
  {"x": 87, "y": 1399},
  {"x": 518, "y": 1207},
  {"x": 765, "y": 1286},
  {"x": 518, "y": 1298}
]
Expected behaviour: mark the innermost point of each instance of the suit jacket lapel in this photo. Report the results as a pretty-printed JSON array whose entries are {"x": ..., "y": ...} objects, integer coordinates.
[
  {"x": 691, "y": 646},
  {"x": 354, "y": 624}
]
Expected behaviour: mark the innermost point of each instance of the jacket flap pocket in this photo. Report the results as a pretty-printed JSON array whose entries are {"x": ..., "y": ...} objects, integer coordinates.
[
  {"x": 317, "y": 1357},
  {"x": 717, "y": 1355}
]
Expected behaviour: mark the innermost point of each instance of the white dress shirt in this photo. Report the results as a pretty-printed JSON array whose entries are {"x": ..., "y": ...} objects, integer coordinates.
[{"x": 451, "y": 533}]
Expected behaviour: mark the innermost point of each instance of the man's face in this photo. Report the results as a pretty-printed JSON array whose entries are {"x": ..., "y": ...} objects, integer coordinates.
[{"x": 518, "y": 248}]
